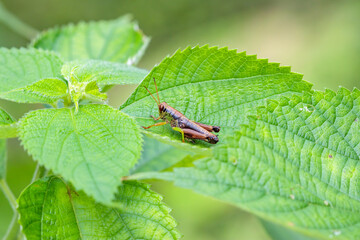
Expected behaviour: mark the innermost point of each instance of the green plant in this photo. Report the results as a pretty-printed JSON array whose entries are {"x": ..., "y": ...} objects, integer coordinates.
[{"x": 287, "y": 153}]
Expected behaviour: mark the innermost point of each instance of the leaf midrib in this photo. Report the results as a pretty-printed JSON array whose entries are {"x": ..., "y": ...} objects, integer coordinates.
[
  {"x": 73, "y": 208},
  {"x": 72, "y": 117}
]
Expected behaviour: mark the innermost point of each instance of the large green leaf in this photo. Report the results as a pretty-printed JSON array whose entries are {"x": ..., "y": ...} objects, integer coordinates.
[
  {"x": 93, "y": 148},
  {"x": 119, "y": 40},
  {"x": 213, "y": 86},
  {"x": 297, "y": 164},
  {"x": 8, "y": 126},
  {"x": 31, "y": 75},
  {"x": 50, "y": 209},
  {"x": 103, "y": 72}
]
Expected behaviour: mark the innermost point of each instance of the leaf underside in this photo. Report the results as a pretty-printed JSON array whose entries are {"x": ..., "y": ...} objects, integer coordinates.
[
  {"x": 157, "y": 156},
  {"x": 212, "y": 86},
  {"x": 117, "y": 40},
  {"x": 8, "y": 127},
  {"x": 51, "y": 209},
  {"x": 5, "y": 121},
  {"x": 27, "y": 74},
  {"x": 297, "y": 164},
  {"x": 93, "y": 148},
  {"x": 278, "y": 232}
]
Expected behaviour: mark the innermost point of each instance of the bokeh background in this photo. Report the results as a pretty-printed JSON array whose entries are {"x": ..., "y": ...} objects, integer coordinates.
[{"x": 319, "y": 38}]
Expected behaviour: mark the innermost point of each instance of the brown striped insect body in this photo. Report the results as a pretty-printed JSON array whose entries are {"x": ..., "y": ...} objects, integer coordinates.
[{"x": 179, "y": 122}]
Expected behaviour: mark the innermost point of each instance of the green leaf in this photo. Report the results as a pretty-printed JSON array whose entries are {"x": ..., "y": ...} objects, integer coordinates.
[
  {"x": 296, "y": 164},
  {"x": 26, "y": 75},
  {"x": 43, "y": 91},
  {"x": 51, "y": 209},
  {"x": 2, "y": 158},
  {"x": 103, "y": 72},
  {"x": 212, "y": 86},
  {"x": 157, "y": 156},
  {"x": 93, "y": 148},
  {"x": 8, "y": 126},
  {"x": 119, "y": 40}
]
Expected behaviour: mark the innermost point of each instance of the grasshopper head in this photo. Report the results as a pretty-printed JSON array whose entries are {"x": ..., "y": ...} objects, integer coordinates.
[{"x": 162, "y": 107}]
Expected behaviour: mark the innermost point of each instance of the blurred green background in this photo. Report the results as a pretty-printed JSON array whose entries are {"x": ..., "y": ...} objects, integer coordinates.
[{"x": 319, "y": 38}]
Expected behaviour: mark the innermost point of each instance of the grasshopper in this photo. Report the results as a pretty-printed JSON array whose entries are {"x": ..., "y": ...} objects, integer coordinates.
[{"x": 179, "y": 122}]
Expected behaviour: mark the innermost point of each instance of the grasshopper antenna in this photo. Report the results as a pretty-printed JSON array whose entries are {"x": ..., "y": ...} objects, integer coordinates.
[
  {"x": 152, "y": 96},
  {"x": 157, "y": 92}
]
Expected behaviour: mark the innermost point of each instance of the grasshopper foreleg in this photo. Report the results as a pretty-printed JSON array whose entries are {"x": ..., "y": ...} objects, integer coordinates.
[
  {"x": 155, "y": 117},
  {"x": 155, "y": 125}
]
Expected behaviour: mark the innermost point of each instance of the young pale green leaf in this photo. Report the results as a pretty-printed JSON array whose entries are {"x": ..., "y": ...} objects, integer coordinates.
[
  {"x": 212, "y": 86},
  {"x": 8, "y": 130},
  {"x": 297, "y": 164},
  {"x": 49, "y": 208},
  {"x": 103, "y": 72},
  {"x": 119, "y": 40},
  {"x": 8, "y": 126},
  {"x": 93, "y": 148},
  {"x": 2, "y": 158},
  {"x": 157, "y": 156},
  {"x": 27, "y": 73},
  {"x": 93, "y": 89}
]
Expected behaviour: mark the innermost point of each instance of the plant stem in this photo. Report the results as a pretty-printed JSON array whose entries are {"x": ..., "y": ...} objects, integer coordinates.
[
  {"x": 35, "y": 175},
  {"x": 8, "y": 194},
  {"x": 13, "y": 231},
  {"x": 16, "y": 24}
]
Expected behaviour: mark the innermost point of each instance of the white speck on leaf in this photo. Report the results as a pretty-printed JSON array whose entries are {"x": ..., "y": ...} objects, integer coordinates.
[{"x": 130, "y": 61}]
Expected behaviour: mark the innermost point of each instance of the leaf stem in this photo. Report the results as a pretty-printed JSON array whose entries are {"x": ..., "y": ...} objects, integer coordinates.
[
  {"x": 16, "y": 24},
  {"x": 39, "y": 172},
  {"x": 35, "y": 175},
  {"x": 8, "y": 194},
  {"x": 14, "y": 231}
]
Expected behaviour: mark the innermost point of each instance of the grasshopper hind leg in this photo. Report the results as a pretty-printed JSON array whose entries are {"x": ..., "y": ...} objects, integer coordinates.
[{"x": 209, "y": 127}]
